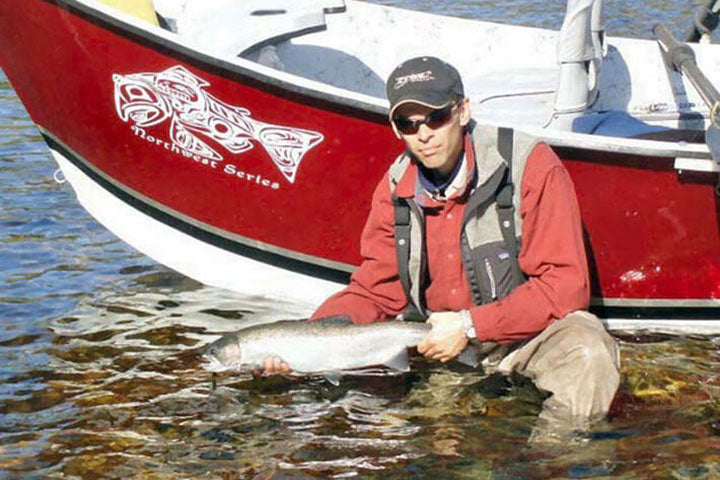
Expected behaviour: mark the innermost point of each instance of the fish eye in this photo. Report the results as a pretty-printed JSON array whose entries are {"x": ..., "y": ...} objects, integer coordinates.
[{"x": 211, "y": 351}]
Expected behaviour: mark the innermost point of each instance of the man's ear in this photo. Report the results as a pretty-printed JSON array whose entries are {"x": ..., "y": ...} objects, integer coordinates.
[
  {"x": 465, "y": 113},
  {"x": 397, "y": 134}
]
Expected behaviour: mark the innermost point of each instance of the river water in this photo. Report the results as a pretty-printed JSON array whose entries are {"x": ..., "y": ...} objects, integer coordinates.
[{"x": 99, "y": 374}]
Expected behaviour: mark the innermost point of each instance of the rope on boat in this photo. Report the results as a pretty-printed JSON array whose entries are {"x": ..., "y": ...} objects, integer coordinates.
[{"x": 59, "y": 177}]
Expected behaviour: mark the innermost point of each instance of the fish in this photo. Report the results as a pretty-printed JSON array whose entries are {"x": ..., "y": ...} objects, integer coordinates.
[{"x": 326, "y": 347}]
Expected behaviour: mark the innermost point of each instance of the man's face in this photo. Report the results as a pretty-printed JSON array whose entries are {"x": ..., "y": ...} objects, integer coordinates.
[{"x": 436, "y": 148}]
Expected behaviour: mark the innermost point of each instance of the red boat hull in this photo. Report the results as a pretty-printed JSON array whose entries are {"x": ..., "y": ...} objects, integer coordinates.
[{"x": 652, "y": 232}]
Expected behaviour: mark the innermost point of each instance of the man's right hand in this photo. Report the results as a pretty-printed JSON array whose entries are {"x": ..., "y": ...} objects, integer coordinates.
[
  {"x": 274, "y": 366},
  {"x": 446, "y": 339}
]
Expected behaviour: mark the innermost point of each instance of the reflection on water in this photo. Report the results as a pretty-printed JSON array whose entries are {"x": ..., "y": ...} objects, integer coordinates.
[
  {"x": 116, "y": 390},
  {"x": 100, "y": 375}
]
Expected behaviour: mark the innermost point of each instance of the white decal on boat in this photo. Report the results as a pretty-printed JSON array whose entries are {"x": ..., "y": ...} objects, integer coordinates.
[{"x": 178, "y": 96}]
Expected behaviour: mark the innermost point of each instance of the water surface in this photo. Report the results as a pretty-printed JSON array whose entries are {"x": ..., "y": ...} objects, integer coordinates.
[{"x": 99, "y": 373}]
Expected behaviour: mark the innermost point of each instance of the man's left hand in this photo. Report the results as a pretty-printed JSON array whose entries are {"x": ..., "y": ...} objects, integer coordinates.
[{"x": 447, "y": 337}]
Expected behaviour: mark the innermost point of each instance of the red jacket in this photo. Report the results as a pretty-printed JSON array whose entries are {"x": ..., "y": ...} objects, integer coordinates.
[{"x": 552, "y": 256}]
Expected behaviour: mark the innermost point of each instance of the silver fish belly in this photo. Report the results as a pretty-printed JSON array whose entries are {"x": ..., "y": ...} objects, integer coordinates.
[{"x": 326, "y": 345}]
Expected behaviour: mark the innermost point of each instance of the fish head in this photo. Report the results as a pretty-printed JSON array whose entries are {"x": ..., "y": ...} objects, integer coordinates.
[
  {"x": 137, "y": 100},
  {"x": 223, "y": 354}
]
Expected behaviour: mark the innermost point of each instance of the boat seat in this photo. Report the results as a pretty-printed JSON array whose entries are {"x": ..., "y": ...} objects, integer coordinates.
[
  {"x": 142, "y": 9},
  {"x": 233, "y": 28},
  {"x": 521, "y": 95}
]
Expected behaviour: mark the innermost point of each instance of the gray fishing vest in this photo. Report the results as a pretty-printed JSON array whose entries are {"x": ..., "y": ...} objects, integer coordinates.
[{"x": 490, "y": 244}]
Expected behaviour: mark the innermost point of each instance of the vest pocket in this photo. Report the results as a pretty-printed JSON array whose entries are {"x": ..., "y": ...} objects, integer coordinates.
[{"x": 493, "y": 264}]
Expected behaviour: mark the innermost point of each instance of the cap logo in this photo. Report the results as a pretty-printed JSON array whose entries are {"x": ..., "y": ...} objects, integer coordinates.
[{"x": 413, "y": 78}]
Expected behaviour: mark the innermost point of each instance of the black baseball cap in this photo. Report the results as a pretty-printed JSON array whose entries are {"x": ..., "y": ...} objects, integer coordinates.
[{"x": 428, "y": 81}]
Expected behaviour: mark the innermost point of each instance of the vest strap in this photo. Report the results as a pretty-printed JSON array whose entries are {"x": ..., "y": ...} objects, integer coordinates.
[
  {"x": 402, "y": 241},
  {"x": 485, "y": 192},
  {"x": 504, "y": 202},
  {"x": 402, "y": 250}
]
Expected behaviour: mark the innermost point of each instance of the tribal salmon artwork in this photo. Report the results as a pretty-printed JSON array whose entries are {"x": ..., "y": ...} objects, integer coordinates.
[{"x": 178, "y": 96}]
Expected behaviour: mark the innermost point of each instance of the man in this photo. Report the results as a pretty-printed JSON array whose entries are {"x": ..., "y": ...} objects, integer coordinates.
[{"x": 442, "y": 241}]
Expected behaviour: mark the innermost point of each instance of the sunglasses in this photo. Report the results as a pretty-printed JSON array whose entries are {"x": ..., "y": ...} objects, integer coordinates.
[{"x": 434, "y": 120}]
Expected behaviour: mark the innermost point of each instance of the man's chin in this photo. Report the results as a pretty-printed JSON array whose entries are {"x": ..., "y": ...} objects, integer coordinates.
[{"x": 433, "y": 162}]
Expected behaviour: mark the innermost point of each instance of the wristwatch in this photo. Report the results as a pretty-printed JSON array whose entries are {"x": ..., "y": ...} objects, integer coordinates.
[{"x": 468, "y": 324}]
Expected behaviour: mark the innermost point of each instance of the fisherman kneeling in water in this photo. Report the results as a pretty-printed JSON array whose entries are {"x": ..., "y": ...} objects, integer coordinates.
[{"x": 443, "y": 241}]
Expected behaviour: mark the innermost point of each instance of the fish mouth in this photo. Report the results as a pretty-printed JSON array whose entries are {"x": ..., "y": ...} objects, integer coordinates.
[{"x": 212, "y": 364}]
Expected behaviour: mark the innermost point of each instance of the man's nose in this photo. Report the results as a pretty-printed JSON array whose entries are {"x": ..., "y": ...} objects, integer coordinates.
[{"x": 424, "y": 133}]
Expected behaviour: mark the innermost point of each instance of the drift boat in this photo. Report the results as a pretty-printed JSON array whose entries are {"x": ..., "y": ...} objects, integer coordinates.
[{"x": 239, "y": 142}]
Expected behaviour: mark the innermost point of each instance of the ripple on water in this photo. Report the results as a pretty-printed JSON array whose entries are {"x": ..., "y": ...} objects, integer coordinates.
[{"x": 122, "y": 392}]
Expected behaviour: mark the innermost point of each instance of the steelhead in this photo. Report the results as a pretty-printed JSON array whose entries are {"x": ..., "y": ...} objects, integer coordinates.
[{"x": 327, "y": 346}]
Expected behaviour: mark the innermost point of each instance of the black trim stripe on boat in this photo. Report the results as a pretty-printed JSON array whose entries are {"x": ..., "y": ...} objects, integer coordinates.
[
  {"x": 297, "y": 93},
  {"x": 296, "y": 265},
  {"x": 658, "y": 313}
]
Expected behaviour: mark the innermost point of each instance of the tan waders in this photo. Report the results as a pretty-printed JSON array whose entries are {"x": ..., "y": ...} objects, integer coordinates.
[{"x": 577, "y": 362}]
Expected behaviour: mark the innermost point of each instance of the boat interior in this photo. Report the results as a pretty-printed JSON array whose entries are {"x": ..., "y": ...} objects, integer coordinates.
[{"x": 573, "y": 79}]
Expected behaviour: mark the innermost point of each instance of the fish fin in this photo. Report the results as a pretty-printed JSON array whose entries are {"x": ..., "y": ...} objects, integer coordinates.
[
  {"x": 400, "y": 362},
  {"x": 469, "y": 356},
  {"x": 333, "y": 377},
  {"x": 286, "y": 146}
]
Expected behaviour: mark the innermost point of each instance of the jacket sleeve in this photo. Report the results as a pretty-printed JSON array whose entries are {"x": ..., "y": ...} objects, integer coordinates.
[
  {"x": 552, "y": 256},
  {"x": 374, "y": 292}
]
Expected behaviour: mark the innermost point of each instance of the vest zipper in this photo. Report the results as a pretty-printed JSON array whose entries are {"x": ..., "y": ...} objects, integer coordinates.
[{"x": 491, "y": 276}]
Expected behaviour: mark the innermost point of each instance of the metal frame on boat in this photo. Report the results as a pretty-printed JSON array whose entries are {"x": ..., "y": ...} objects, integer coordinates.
[{"x": 248, "y": 162}]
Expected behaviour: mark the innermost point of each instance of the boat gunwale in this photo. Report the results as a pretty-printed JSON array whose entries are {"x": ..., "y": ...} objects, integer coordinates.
[
  {"x": 630, "y": 146},
  {"x": 262, "y": 77},
  {"x": 334, "y": 98}
]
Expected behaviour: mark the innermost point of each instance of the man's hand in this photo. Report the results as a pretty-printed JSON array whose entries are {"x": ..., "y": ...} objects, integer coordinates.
[
  {"x": 447, "y": 337},
  {"x": 274, "y": 366}
]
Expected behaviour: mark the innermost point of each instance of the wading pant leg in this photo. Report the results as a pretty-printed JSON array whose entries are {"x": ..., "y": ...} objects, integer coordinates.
[{"x": 577, "y": 362}]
